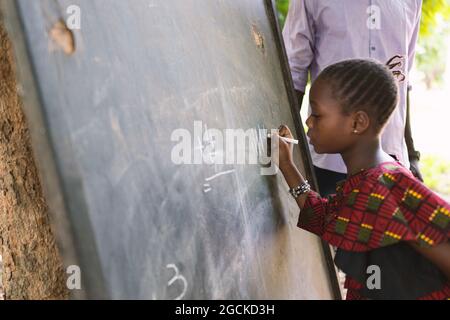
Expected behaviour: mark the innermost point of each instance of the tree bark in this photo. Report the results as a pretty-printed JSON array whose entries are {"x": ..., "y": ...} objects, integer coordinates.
[{"x": 32, "y": 267}]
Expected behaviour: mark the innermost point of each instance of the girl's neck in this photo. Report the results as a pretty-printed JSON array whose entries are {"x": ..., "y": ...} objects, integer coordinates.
[{"x": 367, "y": 154}]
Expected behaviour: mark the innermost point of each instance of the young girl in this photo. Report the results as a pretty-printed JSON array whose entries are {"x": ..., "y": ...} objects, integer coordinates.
[{"x": 391, "y": 231}]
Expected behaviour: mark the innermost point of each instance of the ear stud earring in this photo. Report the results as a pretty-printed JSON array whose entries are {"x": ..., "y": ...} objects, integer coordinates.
[{"x": 355, "y": 131}]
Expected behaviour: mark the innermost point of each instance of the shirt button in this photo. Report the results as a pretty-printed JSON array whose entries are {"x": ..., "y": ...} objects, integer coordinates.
[{"x": 373, "y": 48}]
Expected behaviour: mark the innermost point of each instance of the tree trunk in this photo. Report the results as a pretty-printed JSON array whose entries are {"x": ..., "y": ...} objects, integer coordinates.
[{"x": 32, "y": 267}]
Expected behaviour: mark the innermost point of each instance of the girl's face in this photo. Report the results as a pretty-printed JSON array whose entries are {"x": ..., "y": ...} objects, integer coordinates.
[{"x": 330, "y": 130}]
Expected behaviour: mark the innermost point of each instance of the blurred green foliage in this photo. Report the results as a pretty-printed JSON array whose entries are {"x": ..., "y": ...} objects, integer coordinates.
[
  {"x": 434, "y": 31},
  {"x": 282, "y": 7},
  {"x": 432, "y": 45},
  {"x": 436, "y": 173}
]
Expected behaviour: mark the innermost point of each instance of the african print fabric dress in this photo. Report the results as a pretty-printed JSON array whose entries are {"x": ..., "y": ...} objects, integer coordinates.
[{"x": 369, "y": 219}]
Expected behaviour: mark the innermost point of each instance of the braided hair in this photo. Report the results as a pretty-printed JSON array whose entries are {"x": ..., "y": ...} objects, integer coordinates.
[{"x": 365, "y": 85}]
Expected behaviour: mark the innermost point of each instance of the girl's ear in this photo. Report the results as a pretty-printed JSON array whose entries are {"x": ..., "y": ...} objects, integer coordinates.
[{"x": 361, "y": 122}]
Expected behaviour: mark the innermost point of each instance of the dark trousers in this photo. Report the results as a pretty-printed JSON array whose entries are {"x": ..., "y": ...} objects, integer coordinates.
[{"x": 327, "y": 180}]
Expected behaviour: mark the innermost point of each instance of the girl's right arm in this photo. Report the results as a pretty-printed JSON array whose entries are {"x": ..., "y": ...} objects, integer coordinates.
[
  {"x": 286, "y": 164},
  {"x": 314, "y": 210}
]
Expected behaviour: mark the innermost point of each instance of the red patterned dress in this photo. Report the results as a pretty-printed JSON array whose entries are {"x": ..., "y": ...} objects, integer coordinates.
[{"x": 369, "y": 219}]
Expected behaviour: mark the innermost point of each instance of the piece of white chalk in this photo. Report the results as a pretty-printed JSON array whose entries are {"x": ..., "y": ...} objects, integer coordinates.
[{"x": 293, "y": 141}]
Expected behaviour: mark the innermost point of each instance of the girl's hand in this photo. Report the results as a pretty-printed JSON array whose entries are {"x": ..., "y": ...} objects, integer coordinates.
[{"x": 285, "y": 157}]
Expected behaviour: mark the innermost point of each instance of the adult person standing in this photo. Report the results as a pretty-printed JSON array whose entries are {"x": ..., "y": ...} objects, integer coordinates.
[{"x": 318, "y": 33}]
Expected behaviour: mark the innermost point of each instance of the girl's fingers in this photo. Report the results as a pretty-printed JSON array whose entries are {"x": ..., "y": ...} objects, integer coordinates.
[{"x": 284, "y": 131}]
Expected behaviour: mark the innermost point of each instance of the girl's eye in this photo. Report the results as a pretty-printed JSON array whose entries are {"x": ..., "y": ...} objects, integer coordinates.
[{"x": 315, "y": 115}]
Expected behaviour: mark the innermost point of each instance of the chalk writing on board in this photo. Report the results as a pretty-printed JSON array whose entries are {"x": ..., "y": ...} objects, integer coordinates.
[
  {"x": 220, "y": 174},
  {"x": 200, "y": 144},
  {"x": 178, "y": 277},
  {"x": 210, "y": 148},
  {"x": 207, "y": 146},
  {"x": 206, "y": 188}
]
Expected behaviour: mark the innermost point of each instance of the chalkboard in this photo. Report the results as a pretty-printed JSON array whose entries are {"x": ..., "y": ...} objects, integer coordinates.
[{"x": 104, "y": 101}]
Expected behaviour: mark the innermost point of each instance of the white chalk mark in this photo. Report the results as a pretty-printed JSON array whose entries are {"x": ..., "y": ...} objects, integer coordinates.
[
  {"x": 211, "y": 156},
  {"x": 220, "y": 174},
  {"x": 207, "y": 188},
  {"x": 207, "y": 135},
  {"x": 178, "y": 277},
  {"x": 200, "y": 145}
]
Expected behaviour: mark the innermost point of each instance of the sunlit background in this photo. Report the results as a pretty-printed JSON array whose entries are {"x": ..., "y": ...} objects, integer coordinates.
[{"x": 430, "y": 97}]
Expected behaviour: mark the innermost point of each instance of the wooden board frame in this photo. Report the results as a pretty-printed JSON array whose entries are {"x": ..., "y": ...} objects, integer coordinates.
[{"x": 306, "y": 155}]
